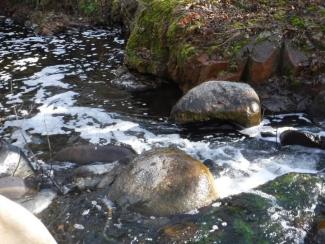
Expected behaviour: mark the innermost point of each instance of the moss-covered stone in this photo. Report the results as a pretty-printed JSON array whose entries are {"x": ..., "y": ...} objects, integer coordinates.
[{"x": 279, "y": 211}]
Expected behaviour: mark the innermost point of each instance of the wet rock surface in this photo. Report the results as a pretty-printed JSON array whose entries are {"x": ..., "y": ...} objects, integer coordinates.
[
  {"x": 291, "y": 137},
  {"x": 257, "y": 216},
  {"x": 239, "y": 218},
  {"x": 229, "y": 101},
  {"x": 163, "y": 182},
  {"x": 72, "y": 103},
  {"x": 86, "y": 154}
]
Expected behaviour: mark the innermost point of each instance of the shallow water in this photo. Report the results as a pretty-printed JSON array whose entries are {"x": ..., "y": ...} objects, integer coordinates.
[{"x": 61, "y": 88}]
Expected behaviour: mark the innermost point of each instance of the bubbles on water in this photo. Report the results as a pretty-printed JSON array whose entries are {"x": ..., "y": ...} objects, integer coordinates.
[{"x": 66, "y": 79}]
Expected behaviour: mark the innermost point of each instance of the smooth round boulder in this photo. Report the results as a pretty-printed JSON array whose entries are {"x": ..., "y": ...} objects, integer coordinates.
[
  {"x": 235, "y": 102},
  {"x": 164, "y": 182},
  {"x": 85, "y": 154},
  {"x": 13, "y": 162}
]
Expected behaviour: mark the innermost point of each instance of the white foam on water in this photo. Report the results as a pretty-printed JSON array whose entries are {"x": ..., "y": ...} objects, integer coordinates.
[{"x": 59, "y": 113}]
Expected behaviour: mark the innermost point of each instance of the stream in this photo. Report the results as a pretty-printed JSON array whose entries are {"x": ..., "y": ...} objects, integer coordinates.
[{"x": 62, "y": 89}]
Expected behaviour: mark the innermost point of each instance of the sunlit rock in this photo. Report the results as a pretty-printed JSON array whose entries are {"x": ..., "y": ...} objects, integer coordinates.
[
  {"x": 164, "y": 182},
  {"x": 223, "y": 100}
]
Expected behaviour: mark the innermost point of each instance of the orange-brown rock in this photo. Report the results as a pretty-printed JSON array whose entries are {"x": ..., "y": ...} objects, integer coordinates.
[
  {"x": 294, "y": 60},
  {"x": 263, "y": 61}
]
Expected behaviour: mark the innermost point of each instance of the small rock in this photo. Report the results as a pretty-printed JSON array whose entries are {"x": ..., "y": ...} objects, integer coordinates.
[{"x": 306, "y": 139}]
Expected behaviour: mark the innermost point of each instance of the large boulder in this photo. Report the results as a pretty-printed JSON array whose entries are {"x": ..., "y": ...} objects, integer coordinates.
[
  {"x": 223, "y": 100},
  {"x": 163, "y": 182},
  {"x": 13, "y": 162}
]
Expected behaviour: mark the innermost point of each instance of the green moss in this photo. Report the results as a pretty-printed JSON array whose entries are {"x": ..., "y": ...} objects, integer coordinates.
[
  {"x": 150, "y": 36},
  {"x": 244, "y": 230},
  {"x": 89, "y": 7},
  {"x": 297, "y": 22},
  {"x": 299, "y": 185},
  {"x": 185, "y": 52}
]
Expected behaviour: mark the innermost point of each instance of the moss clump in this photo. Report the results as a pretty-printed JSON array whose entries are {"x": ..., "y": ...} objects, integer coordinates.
[
  {"x": 243, "y": 229},
  {"x": 147, "y": 48}
]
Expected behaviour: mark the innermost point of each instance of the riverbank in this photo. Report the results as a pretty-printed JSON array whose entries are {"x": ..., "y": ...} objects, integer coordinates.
[
  {"x": 278, "y": 48},
  {"x": 60, "y": 99}
]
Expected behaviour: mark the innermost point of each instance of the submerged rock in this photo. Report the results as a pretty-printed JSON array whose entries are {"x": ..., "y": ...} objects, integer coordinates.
[
  {"x": 13, "y": 187},
  {"x": 13, "y": 162},
  {"x": 17, "y": 225},
  {"x": 306, "y": 139},
  {"x": 39, "y": 201},
  {"x": 164, "y": 182},
  {"x": 223, "y": 100},
  {"x": 89, "y": 176},
  {"x": 85, "y": 154}
]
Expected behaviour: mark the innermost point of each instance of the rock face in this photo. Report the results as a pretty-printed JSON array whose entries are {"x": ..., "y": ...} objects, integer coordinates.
[
  {"x": 164, "y": 182},
  {"x": 85, "y": 154},
  {"x": 223, "y": 100},
  {"x": 191, "y": 42},
  {"x": 13, "y": 162},
  {"x": 317, "y": 108}
]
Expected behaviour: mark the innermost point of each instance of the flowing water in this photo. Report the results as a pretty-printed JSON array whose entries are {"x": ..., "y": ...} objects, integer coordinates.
[{"x": 61, "y": 88}]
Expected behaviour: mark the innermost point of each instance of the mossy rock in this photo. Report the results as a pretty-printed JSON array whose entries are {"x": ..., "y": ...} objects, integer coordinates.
[{"x": 260, "y": 216}]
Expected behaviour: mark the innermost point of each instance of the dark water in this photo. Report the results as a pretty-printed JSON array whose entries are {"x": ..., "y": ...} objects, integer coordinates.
[{"x": 64, "y": 88}]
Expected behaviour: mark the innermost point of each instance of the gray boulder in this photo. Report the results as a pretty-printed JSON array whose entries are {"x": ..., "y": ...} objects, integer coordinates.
[
  {"x": 163, "y": 182},
  {"x": 222, "y": 100}
]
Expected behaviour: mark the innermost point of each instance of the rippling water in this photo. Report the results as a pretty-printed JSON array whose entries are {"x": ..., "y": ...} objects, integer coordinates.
[{"x": 61, "y": 87}]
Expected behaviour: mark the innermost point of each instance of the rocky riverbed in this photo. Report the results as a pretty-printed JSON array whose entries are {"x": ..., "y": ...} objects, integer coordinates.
[{"x": 69, "y": 94}]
